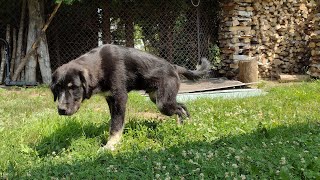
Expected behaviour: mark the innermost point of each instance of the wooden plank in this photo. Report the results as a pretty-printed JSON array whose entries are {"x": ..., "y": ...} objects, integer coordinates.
[
  {"x": 209, "y": 85},
  {"x": 224, "y": 94}
]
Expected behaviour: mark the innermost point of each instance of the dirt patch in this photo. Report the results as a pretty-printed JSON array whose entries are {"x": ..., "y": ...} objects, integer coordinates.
[{"x": 148, "y": 115}]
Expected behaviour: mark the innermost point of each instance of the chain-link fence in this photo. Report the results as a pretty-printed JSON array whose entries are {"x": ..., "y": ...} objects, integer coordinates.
[{"x": 179, "y": 31}]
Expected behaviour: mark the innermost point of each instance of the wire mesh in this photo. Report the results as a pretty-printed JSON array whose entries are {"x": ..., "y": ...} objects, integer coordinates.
[{"x": 177, "y": 31}]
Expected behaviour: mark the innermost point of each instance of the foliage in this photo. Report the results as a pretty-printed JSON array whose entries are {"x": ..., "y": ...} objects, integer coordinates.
[
  {"x": 276, "y": 136},
  {"x": 214, "y": 55}
]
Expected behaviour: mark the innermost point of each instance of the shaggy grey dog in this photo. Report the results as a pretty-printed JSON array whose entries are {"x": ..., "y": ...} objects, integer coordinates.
[{"x": 116, "y": 70}]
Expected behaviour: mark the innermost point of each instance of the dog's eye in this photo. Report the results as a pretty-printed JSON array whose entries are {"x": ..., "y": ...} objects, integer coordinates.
[{"x": 73, "y": 87}]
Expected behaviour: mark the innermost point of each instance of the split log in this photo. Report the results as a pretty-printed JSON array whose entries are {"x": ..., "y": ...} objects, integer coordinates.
[
  {"x": 293, "y": 78},
  {"x": 248, "y": 71},
  {"x": 14, "y": 50},
  {"x": 20, "y": 36},
  {"x": 43, "y": 53},
  {"x": 3, "y": 62}
]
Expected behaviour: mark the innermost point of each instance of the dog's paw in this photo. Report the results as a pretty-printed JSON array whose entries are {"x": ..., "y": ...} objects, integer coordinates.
[
  {"x": 111, "y": 145},
  {"x": 181, "y": 119},
  {"x": 107, "y": 148}
]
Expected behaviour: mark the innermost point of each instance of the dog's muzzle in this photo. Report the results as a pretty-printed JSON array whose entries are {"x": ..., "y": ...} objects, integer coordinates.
[{"x": 63, "y": 111}]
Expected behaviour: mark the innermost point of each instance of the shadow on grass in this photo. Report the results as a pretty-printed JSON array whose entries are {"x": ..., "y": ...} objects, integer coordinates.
[
  {"x": 274, "y": 153},
  {"x": 64, "y": 135},
  {"x": 72, "y": 130}
]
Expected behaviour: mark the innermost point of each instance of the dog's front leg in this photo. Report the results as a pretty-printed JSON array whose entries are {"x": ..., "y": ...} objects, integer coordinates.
[{"x": 117, "y": 106}]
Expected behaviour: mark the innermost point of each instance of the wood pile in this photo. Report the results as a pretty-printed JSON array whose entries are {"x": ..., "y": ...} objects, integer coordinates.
[
  {"x": 274, "y": 32},
  {"x": 281, "y": 40},
  {"x": 314, "y": 69},
  {"x": 235, "y": 35}
]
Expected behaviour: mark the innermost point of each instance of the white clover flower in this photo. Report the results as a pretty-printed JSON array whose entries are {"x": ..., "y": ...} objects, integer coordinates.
[
  {"x": 184, "y": 153},
  {"x": 167, "y": 176},
  {"x": 196, "y": 170},
  {"x": 237, "y": 158},
  {"x": 232, "y": 149},
  {"x": 283, "y": 161},
  {"x": 264, "y": 144},
  {"x": 303, "y": 161},
  {"x": 197, "y": 155},
  {"x": 226, "y": 174},
  {"x": 201, "y": 176},
  {"x": 243, "y": 177},
  {"x": 157, "y": 176},
  {"x": 235, "y": 166},
  {"x": 209, "y": 155}
]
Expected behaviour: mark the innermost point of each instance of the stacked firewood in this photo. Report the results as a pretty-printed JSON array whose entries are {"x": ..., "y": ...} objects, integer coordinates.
[
  {"x": 274, "y": 32},
  {"x": 281, "y": 29},
  {"x": 235, "y": 35},
  {"x": 314, "y": 69}
]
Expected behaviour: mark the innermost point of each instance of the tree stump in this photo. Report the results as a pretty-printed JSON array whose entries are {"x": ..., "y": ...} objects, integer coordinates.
[{"x": 248, "y": 71}]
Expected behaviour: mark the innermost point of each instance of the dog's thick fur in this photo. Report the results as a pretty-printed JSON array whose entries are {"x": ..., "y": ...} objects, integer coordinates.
[{"x": 118, "y": 70}]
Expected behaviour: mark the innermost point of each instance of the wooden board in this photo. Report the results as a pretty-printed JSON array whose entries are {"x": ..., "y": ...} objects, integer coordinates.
[
  {"x": 224, "y": 94},
  {"x": 209, "y": 85}
]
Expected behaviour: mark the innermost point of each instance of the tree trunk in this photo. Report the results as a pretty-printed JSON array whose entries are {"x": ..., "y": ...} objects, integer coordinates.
[
  {"x": 20, "y": 35},
  {"x": 14, "y": 50},
  {"x": 34, "y": 16},
  {"x": 3, "y": 62},
  {"x": 248, "y": 71},
  {"x": 36, "y": 23},
  {"x": 43, "y": 52}
]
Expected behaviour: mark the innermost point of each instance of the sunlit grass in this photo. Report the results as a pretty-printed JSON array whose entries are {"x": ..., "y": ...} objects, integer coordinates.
[{"x": 273, "y": 136}]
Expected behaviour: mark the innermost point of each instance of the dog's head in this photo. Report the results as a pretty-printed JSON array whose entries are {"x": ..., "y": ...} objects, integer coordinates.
[{"x": 70, "y": 87}]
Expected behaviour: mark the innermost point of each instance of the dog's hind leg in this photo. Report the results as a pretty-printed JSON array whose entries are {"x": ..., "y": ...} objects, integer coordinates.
[
  {"x": 166, "y": 101},
  {"x": 117, "y": 106}
]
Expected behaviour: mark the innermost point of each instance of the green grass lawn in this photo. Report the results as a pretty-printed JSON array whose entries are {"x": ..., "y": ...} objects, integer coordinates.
[{"x": 268, "y": 137}]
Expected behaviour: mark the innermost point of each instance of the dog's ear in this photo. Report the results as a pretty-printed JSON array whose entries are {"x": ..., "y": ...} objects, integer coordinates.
[
  {"x": 85, "y": 79},
  {"x": 53, "y": 87}
]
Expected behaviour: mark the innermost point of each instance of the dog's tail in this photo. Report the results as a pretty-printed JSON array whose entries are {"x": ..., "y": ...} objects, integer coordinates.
[{"x": 202, "y": 69}]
